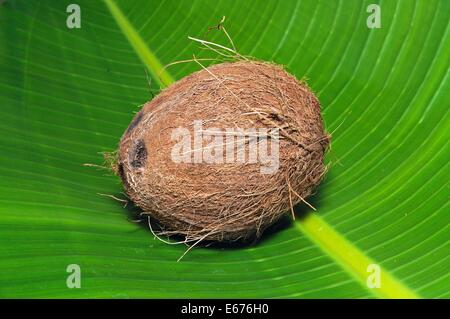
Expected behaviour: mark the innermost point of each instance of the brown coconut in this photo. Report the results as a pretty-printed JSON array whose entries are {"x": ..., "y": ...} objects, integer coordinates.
[{"x": 227, "y": 201}]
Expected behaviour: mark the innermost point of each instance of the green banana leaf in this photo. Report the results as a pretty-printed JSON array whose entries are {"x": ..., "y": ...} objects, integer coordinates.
[{"x": 67, "y": 94}]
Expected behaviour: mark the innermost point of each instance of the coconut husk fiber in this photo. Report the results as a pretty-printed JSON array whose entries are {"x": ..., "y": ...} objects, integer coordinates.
[{"x": 229, "y": 201}]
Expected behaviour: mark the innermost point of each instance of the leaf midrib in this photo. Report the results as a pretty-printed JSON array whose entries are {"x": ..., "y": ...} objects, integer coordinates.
[
  {"x": 161, "y": 76},
  {"x": 352, "y": 260}
]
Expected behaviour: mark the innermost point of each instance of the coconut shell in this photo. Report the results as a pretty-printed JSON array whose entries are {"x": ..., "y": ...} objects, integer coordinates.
[{"x": 231, "y": 200}]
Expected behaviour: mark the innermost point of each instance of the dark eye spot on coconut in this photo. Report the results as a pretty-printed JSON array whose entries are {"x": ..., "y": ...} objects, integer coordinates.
[
  {"x": 122, "y": 174},
  {"x": 276, "y": 117},
  {"x": 138, "y": 154},
  {"x": 134, "y": 122}
]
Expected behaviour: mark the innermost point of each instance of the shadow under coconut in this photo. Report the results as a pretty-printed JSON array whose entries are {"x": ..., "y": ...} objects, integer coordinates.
[{"x": 301, "y": 210}]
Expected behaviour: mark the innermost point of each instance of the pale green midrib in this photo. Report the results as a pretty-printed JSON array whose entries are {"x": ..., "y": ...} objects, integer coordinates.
[
  {"x": 346, "y": 255},
  {"x": 155, "y": 67},
  {"x": 351, "y": 259}
]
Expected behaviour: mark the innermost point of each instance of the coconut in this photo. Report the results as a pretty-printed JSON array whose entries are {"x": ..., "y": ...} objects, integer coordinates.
[{"x": 224, "y": 152}]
